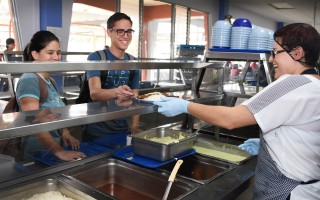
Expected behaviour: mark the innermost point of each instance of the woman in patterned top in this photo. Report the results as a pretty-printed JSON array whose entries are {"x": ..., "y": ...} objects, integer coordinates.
[{"x": 288, "y": 113}]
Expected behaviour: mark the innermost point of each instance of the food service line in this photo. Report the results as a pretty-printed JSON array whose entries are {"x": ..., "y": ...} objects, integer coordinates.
[{"x": 29, "y": 122}]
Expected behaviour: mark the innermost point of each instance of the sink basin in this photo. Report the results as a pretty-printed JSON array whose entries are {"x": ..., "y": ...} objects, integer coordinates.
[
  {"x": 126, "y": 181},
  {"x": 199, "y": 168}
]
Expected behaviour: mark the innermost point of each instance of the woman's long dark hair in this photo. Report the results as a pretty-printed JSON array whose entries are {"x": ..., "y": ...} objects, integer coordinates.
[{"x": 38, "y": 42}]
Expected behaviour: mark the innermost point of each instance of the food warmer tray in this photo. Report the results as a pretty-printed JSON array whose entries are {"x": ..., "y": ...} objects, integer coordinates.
[
  {"x": 207, "y": 142},
  {"x": 162, "y": 143}
]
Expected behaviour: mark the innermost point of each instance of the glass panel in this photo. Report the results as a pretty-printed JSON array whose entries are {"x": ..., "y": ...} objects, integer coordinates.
[
  {"x": 7, "y": 30},
  {"x": 7, "y": 25},
  {"x": 180, "y": 27},
  {"x": 198, "y": 28},
  {"x": 317, "y": 16},
  {"x": 131, "y": 8},
  {"x": 88, "y": 27}
]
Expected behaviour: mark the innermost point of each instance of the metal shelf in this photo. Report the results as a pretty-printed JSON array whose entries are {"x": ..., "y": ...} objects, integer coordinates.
[
  {"x": 22, "y": 67},
  {"x": 262, "y": 58},
  {"x": 236, "y": 56},
  {"x": 30, "y": 122}
]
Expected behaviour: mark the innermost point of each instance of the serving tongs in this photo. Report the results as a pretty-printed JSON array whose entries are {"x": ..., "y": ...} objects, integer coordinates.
[{"x": 171, "y": 178}]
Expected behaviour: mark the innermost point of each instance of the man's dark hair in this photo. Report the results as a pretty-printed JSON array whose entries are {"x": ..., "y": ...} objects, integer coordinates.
[
  {"x": 303, "y": 35},
  {"x": 116, "y": 17},
  {"x": 10, "y": 41}
]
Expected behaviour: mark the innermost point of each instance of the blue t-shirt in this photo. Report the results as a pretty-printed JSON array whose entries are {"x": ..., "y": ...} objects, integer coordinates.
[
  {"x": 28, "y": 86},
  {"x": 114, "y": 79}
]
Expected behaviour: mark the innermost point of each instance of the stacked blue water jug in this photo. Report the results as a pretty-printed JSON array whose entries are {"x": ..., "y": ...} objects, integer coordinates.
[
  {"x": 221, "y": 32},
  {"x": 240, "y": 32},
  {"x": 258, "y": 39},
  {"x": 241, "y": 35}
]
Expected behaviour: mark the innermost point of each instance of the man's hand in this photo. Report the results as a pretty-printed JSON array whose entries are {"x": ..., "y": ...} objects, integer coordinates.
[{"x": 124, "y": 92}]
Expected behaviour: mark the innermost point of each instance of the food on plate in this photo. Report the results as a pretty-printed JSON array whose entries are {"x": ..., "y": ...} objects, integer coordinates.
[{"x": 153, "y": 96}]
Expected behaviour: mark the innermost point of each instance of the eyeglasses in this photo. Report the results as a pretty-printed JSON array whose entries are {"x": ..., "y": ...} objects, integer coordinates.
[
  {"x": 121, "y": 32},
  {"x": 275, "y": 52}
]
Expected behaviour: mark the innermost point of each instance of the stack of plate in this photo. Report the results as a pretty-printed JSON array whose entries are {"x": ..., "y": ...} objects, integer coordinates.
[
  {"x": 259, "y": 39},
  {"x": 240, "y": 33},
  {"x": 221, "y": 32}
]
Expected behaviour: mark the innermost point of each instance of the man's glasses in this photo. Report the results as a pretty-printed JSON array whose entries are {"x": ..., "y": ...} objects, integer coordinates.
[
  {"x": 275, "y": 52},
  {"x": 121, "y": 32}
]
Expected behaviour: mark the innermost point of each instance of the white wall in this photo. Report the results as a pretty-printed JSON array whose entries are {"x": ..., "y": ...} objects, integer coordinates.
[
  {"x": 28, "y": 13},
  {"x": 29, "y": 19},
  {"x": 254, "y": 19},
  {"x": 212, "y": 7},
  {"x": 66, "y": 22}
]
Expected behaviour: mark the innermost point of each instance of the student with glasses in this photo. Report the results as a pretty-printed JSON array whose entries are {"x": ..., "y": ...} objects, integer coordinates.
[
  {"x": 288, "y": 113},
  {"x": 121, "y": 85}
]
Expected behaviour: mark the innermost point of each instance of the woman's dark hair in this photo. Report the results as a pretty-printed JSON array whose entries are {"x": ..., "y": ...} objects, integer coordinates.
[
  {"x": 38, "y": 42},
  {"x": 116, "y": 17},
  {"x": 303, "y": 35}
]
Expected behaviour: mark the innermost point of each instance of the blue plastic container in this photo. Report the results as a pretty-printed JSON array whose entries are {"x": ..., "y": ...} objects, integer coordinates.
[{"x": 242, "y": 22}]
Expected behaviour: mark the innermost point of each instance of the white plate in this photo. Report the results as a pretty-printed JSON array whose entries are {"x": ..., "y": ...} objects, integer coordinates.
[{"x": 147, "y": 101}]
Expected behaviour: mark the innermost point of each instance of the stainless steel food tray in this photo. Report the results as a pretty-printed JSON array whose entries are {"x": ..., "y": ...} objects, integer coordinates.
[
  {"x": 52, "y": 184},
  {"x": 144, "y": 146},
  {"x": 124, "y": 181},
  {"x": 210, "y": 143},
  {"x": 198, "y": 168}
]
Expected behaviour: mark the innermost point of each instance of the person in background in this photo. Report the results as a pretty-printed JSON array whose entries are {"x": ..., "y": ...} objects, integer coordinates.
[
  {"x": 288, "y": 113},
  {"x": 44, "y": 46},
  {"x": 117, "y": 84},
  {"x": 10, "y": 46}
]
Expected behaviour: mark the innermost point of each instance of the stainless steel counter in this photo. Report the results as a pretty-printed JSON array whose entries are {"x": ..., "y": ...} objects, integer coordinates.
[
  {"x": 225, "y": 187},
  {"x": 29, "y": 122},
  {"x": 22, "y": 67},
  {"x": 229, "y": 185}
]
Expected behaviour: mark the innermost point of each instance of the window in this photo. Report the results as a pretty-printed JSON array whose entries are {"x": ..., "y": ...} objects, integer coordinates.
[
  {"x": 88, "y": 27},
  {"x": 131, "y": 8},
  {"x": 6, "y": 24}
]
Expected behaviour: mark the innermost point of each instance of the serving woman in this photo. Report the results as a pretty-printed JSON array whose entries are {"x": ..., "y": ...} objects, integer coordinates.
[{"x": 288, "y": 113}]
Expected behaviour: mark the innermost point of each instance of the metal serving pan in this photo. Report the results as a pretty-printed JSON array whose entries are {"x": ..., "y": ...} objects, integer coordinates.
[
  {"x": 208, "y": 146},
  {"x": 199, "y": 168},
  {"x": 162, "y": 143},
  {"x": 124, "y": 181},
  {"x": 52, "y": 184}
]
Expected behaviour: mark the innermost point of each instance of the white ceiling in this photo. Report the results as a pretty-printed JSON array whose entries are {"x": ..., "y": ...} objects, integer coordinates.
[{"x": 303, "y": 10}]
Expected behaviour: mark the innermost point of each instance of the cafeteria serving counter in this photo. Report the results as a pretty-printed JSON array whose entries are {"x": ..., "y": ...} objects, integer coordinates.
[
  {"x": 227, "y": 185},
  {"x": 110, "y": 178}
]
